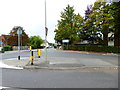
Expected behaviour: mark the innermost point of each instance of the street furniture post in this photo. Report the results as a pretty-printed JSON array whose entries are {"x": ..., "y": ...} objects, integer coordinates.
[
  {"x": 46, "y": 31},
  {"x": 19, "y": 32},
  {"x": 31, "y": 58},
  {"x": 30, "y": 48},
  {"x": 39, "y": 53},
  {"x": 18, "y": 46}
]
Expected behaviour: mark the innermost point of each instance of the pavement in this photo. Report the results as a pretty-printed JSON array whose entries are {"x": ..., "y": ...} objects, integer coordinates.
[{"x": 60, "y": 63}]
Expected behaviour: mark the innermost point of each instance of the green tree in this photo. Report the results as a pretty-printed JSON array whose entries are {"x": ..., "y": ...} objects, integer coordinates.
[
  {"x": 115, "y": 9},
  {"x": 68, "y": 26},
  {"x": 35, "y": 41},
  {"x": 101, "y": 20},
  {"x": 78, "y": 27},
  {"x": 88, "y": 29},
  {"x": 105, "y": 18}
]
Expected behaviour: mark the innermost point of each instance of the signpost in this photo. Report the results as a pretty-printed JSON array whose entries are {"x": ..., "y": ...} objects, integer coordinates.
[{"x": 19, "y": 32}]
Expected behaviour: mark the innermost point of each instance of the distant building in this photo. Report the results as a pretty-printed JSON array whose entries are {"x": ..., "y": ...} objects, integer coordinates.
[
  {"x": 4, "y": 39},
  {"x": 111, "y": 39},
  {"x": 44, "y": 44}
]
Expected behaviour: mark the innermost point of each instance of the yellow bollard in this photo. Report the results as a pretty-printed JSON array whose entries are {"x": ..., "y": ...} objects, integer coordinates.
[
  {"x": 39, "y": 53},
  {"x": 31, "y": 58},
  {"x": 30, "y": 48}
]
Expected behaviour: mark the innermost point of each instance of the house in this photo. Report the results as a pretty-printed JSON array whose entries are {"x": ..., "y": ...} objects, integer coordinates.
[
  {"x": 4, "y": 39},
  {"x": 45, "y": 44},
  {"x": 111, "y": 39},
  {"x": 9, "y": 40}
]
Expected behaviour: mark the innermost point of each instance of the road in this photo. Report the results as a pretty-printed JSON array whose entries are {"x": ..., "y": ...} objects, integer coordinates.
[
  {"x": 40, "y": 78},
  {"x": 14, "y": 54},
  {"x": 58, "y": 54},
  {"x": 59, "y": 78}
]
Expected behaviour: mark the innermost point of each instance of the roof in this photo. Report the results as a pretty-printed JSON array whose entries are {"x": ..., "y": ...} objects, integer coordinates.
[
  {"x": 45, "y": 41},
  {"x": 6, "y": 36}
]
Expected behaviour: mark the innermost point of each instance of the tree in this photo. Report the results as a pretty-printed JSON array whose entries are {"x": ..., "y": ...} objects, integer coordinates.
[
  {"x": 78, "y": 27},
  {"x": 88, "y": 23},
  {"x": 115, "y": 9},
  {"x": 99, "y": 22},
  {"x": 104, "y": 20},
  {"x": 13, "y": 38},
  {"x": 68, "y": 26},
  {"x": 65, "y": 25},
  {"x": 35, "y": 41}
]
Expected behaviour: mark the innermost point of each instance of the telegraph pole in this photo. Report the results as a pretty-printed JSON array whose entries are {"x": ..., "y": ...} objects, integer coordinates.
[{"x": 46, "y": 29}]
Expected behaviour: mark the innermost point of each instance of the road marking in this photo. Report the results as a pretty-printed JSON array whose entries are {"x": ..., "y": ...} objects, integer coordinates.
[
  {"x": 1, "y": 87},
  {"x": 2, "y": 65},
  {"x": 16, "y": 58}
]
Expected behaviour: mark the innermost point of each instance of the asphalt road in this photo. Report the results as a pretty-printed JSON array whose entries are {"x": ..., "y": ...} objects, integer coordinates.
[
  {"x": 113, "y": 59},
  {"x": 40, "y": 78},
  {"x": 14, "y": 54},
  {"x": 36, "y": 78}
]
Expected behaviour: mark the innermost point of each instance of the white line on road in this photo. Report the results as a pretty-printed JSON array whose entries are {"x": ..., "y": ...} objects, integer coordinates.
[
  {"x": 22, "y": 58},
  {"x": 1, "y": 87},
  {"x": 2, "y": 65}
]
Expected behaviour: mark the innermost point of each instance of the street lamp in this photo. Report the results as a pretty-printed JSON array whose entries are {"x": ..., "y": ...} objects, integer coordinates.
[
  {"x": 46, "y": 31},
  {"x": 19, "y": 32}
]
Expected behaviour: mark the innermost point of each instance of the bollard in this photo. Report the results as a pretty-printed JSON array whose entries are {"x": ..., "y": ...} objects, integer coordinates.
[
  {"x": 30, "y": 48},
  {"x": 32, "y": 58},
  {"x": 39, "y": 53}
]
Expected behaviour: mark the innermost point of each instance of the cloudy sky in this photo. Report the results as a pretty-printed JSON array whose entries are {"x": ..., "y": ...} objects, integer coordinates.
[{"x": 30, "y": 14}]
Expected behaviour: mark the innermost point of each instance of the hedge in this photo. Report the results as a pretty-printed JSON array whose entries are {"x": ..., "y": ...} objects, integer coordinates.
[
  {"x": 7, "y": 48},
  {"x": 96, "y": 48}
]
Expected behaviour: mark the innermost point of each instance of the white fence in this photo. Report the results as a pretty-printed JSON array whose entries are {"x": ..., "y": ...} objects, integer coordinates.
[{"x": 21, "y": 47}]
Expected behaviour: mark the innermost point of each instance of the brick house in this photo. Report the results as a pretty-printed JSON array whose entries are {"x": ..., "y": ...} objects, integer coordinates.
[{"x": 4, "y": 39}]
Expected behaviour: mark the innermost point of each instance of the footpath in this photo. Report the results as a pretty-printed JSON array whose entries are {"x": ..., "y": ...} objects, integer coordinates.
[{"x": 61, "y": 63}]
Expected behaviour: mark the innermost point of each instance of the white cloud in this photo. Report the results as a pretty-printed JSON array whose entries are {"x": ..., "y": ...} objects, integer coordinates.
[{"x": 30, "y": 14}]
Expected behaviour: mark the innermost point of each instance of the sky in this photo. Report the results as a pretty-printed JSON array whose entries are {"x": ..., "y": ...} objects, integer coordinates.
[{"x": 30, "y": 14}]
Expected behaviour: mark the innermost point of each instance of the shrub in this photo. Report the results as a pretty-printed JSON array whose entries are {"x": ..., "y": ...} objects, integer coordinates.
[
  {"x": 7, "y": 48},
  {"x": 96, "y": 48}
]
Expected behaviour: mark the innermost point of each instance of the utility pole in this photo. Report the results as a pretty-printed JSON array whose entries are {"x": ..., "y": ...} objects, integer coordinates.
[{"x": 46, "y": 29}]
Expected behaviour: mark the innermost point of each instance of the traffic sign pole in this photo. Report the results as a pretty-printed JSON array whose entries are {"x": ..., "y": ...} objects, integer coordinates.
[
  {"x": 19, "y": 32},
  {"x": 18, "y": 46}
]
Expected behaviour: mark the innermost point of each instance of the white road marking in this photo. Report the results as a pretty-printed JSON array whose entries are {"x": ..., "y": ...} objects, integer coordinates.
[
  {"x": 3, "y": 87},
  {"x": 2, "y": 65},
  {"x": 17, "y": 58}
]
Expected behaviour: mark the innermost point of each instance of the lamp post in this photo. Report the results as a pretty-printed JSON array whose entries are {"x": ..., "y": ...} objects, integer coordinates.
[
  {"x": 46, "y": 31},
  {"x": 19, "y": 32}
]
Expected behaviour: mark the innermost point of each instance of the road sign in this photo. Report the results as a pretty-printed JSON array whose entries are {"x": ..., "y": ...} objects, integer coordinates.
[
  {"x": 19, "y": 31},
  {"x": 65, "y": 41}
]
